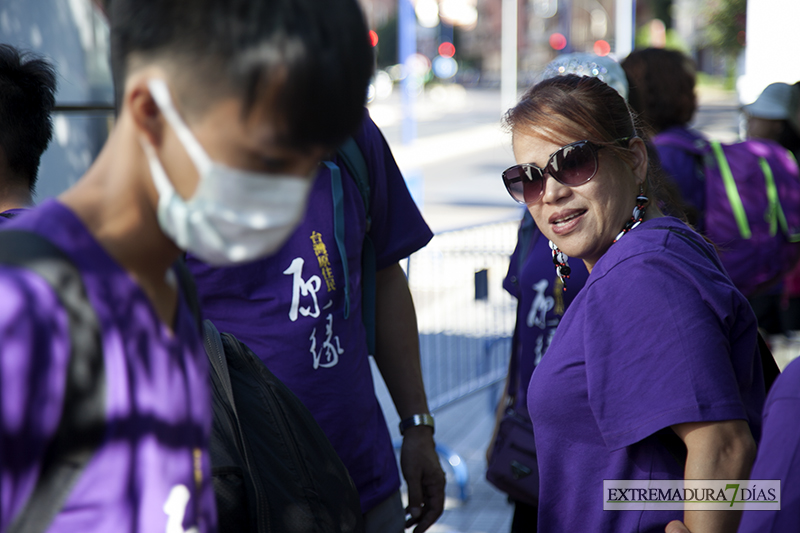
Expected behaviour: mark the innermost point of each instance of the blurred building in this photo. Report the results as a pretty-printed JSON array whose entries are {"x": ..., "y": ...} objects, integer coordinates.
[{"x": 74, "y": 36}]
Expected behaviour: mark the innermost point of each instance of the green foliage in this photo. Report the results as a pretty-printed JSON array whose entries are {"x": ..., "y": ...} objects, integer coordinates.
[
  {"x": 726, "y": 25},
  {"x": 674, "y": 41}
]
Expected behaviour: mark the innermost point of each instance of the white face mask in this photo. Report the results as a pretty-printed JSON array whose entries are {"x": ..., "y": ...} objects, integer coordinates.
[{"x": 234, "y": 215}]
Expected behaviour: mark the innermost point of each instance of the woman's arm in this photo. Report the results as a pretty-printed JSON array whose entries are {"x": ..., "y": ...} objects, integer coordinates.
[{"x": 716, "y": 450}]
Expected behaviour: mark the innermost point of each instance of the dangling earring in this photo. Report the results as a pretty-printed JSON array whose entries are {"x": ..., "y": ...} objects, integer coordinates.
[
  {"x": 562, "y": 267},
  {"x": 638, "y": 214}
]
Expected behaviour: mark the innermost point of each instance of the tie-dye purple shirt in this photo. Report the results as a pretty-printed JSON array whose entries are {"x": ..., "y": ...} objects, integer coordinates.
[{"x": 152, "y": 471}]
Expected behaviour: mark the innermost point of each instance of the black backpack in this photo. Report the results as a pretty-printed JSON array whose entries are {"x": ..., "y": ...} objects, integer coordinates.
[{"x": 274, "y": 469}]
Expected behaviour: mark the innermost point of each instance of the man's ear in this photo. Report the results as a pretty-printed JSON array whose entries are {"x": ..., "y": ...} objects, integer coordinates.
[{"x": 145, "y": 115}]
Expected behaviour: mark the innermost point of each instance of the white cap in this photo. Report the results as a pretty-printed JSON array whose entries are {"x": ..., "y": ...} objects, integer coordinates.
[{"x": 773, "y": 103}]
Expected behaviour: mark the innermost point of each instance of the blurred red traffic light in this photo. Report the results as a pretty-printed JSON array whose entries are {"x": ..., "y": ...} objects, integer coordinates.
[
  {"x": 558, "y": 41},
  {"x": 447, "y": 49}
]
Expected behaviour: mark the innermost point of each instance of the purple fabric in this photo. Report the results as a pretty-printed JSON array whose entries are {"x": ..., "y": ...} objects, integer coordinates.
[
  {"x": 658, "y": 336},
  {"x": 11, "y": 213},
  {"x": 158, "y": 399},
  {"x": 540, "y": 308},
  {"x": 779, "y": 455},
  {"x": 683, "y": 165},
  {"x": 759, "y": 261},
  {"x": 289, "y": 309}
]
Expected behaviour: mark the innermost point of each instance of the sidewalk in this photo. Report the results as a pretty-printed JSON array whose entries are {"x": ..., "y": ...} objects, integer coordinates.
[{"x": 466, "y": 428}]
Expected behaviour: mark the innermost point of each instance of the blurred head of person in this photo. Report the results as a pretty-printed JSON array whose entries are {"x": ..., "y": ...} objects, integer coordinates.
[
  {"x": 769, "y": 116},
  {"x": 662, "y": 84},
  {"x": 217, "y": 94},
  {"x": 581, "y": 163},
  {"x": 310, "y": 59},
  {"x": 27, "y": 97}
]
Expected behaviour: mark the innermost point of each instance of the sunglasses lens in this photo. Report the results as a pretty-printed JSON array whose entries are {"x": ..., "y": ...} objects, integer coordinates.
[
  {"x": 523, "y": 183},
  {"x": 575, "y": 164}
]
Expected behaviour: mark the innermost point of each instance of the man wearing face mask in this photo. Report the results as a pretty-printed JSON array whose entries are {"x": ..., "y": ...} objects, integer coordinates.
[{"x": 226, "y": 108}]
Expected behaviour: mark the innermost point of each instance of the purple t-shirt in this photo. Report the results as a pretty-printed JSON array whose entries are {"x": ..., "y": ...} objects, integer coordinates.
[
  {"x": 658, "y": 336},
  {"x": 779, "y": 455},
  {"x": 10, "y": 214},
  {"x": 290, "y": 310},
  {"x": 685, "y": 168},
  {"x": 153, "y": 467},
  {"x": 540, "y": 306}
]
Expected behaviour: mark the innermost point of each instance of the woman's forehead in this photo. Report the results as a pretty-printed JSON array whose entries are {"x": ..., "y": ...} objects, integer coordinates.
[{"x": 542, "y": 137}]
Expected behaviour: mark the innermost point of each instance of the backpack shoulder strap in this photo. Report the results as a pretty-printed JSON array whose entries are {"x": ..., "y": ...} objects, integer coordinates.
[
  {"x": 188, "y": 290},
  {"x": 354, "y": 160},
  {"x": 215, "y": 351},
  {"x": 357, "y": 166},
  {"x": 82, "y": 426}
]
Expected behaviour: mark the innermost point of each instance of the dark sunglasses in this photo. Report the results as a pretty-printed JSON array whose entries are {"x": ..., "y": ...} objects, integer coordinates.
[{"x": 571, "y": 165}]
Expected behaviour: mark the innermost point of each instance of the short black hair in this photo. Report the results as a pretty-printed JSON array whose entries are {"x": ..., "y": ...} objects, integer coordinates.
[
  {"x": 27, "y": 97},
  {"x": 318, "y": 52}
]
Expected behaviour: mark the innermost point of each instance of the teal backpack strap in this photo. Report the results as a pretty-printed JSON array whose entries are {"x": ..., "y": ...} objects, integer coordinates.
[
  {"x": 354, "y": 160},
  {"x": 338, "y": 228},
  {"x": 357, "y": 166}
]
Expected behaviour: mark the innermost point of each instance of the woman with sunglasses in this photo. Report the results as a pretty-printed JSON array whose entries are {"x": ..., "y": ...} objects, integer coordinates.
[{"x": 653, "y": 371}]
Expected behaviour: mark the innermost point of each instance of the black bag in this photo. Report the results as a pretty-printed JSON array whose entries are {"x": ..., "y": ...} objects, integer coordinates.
[
  {"x": 513, "y": 467},
  {"x": 274, "y": 469}
]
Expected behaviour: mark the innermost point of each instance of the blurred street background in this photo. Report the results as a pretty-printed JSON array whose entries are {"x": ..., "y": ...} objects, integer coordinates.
[{"x": 446, "y": 70}]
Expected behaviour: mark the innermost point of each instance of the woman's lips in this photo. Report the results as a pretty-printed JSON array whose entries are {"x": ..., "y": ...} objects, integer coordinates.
[{"x": 564, "y": 222}]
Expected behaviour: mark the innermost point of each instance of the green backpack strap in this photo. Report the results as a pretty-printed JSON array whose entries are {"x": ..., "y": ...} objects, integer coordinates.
[
  {"x": 731, "y": 190},
  {"x": 774, "y": 214},
  {"x": 356, "y": 165}
]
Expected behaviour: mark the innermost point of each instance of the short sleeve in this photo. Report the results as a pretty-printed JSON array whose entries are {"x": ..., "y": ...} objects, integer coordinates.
[
  {"x": 34, "y": 351},
  {"x": 658, "y": 349},
  {"x": 397, "y": 228}
]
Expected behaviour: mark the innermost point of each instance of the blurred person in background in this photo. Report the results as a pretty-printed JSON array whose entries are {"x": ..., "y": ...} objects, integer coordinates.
[
  {"x": 300, "y": 310},
  {"x": 767, "y": 118},
  {"x": 27, "y": 97},
  {"x": 770, "y": 116},
  {"x": 662, "y": 92},
  {"x": 656, "y": 357},
  {"x": 227, "y": 108},
  {"x": 773, "y": 116}
]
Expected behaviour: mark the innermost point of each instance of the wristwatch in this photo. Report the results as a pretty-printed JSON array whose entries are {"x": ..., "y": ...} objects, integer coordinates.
[{"x": 417, "y": 420}]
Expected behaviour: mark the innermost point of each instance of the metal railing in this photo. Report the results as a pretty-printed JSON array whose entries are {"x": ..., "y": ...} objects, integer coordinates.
[{"x": 465, "y": 317}]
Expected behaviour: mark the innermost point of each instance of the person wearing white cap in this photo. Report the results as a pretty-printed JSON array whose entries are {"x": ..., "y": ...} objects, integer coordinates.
[{"x": 768, "y": 116}]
